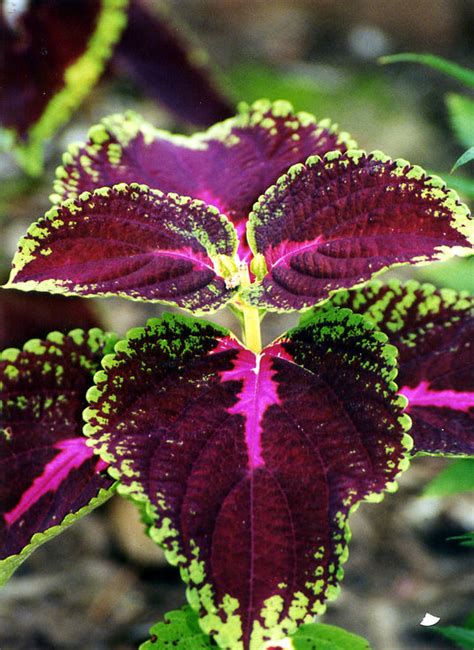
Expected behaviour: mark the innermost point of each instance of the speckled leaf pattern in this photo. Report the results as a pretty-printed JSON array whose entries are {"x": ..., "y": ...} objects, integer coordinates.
[
  {"x": 180, "y": 630},
  {"x": 333, "y": 223},
  {"x": 228, "y": 166},
  {"x": 433, "y": 330},
  {"x": 52, "y": 54},
  {"x": 48, "y": 475},
  {"x": 250, "y": 463},
  {"x": 133, "y": 242},
  {"x": 154, "y": 53}
]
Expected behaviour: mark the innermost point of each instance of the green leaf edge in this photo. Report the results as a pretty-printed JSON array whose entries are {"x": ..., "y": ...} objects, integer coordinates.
[
  {"x": 465, "y": 158},
  {"x": 225, "y": 266},
  {"x": 305, "y": 638},
  {"x": 464, "y": 75},
  {"x": 463, "y": 637},
  {"x": 460, "y": 183},
  {"x": 308, "y": 633},
  {"x": 462, "y": 220},
  {"x": 127, "y": 125},
  {"x": 134, "y": 494},
  {"x": 34, "y": 346},
  {"x": 79, "y": 79},
  {"x": 122, "y": 346},
  {"x": 10, "y": 564},
  {"x": 179, "y": 618},
  {"x": 461, "y": 301}
]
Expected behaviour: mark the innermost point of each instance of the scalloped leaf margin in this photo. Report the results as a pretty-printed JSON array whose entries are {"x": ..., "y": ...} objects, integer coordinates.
[
  {"x": 45, "y": 378},
  {"x": 217, "y": 376},
  {"x": 335, "y": 222},
  {"x": 433, "y": 331}
]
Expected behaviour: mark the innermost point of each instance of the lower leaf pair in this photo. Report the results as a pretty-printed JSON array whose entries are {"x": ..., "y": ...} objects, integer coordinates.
[{"x": 247, "y": 464}]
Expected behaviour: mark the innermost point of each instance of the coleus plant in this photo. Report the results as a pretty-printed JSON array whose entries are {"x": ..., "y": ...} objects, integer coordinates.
[{"x": 246, "y": 463}]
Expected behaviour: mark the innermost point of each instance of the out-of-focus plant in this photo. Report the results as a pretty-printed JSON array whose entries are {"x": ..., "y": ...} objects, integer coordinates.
[
  {"x": 245, "y": 462},
  {"x": 460, "y": 109},
  {"x": 458, "y": 274},
  {"x": 53, "y": 53},
  {"x": 461, "y": 635},
  {"x": 453, "y": 479}
]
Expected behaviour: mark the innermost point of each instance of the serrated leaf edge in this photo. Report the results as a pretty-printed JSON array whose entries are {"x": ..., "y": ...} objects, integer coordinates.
[
  {"x": 462, "y": 219},
  {"x": 130, "y": 124},
  {"x": 31, "y": 242}
]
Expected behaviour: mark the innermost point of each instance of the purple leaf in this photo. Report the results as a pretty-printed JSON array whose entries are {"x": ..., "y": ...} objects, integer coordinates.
[
  {"x": 52, "y": 54},
  {"x": 228, "y": 166},
  {"x": 133, "y": 242},
  {"x": 250, "y": 464},
  {"x": 48, "y": 475},
  {"x": 26, "y": 316},
  {"x": 433, "y": 330},
  {"x": 330, "y": 224},
  {"x": 155, "y": 55}
]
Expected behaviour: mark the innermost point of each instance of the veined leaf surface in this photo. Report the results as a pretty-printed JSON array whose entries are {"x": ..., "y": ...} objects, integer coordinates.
[
  {"x": 333, "y": 223},
  {"x": 134, "y": 242},
  {"x": 250, "y": 464},
  {"x": 433, "y": 330},
  {"x": 49, "y": 477},
  {"x": 228, "y": 166}
]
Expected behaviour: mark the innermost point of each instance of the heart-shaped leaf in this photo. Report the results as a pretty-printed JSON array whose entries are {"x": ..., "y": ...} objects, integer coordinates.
[
  {"x": 433, "y": 330},
  {"x": 334, "y": 223},
  {"x": 49, "y": 477},
  {"x": 134, "y": 242},
  {"x": 52, "y": 54},
  {"x": 228, "y": 166},
  {"x": 250, "y": 463}
]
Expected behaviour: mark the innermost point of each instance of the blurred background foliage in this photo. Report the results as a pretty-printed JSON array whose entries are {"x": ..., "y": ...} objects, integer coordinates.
[{"x": 100, "y": 584}]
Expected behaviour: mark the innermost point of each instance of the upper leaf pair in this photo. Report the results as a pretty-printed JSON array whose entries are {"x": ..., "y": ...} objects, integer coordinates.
[{"x": 333, "y": 220}]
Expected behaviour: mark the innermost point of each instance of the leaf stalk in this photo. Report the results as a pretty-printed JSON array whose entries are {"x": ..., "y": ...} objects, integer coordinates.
[{"x": 251, "y": 333}]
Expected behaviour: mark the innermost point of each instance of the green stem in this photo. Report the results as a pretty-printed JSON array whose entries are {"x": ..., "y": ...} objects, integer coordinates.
[
  {"x": 251, "y": 318},
  {"x": 251, "y": 328}
]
